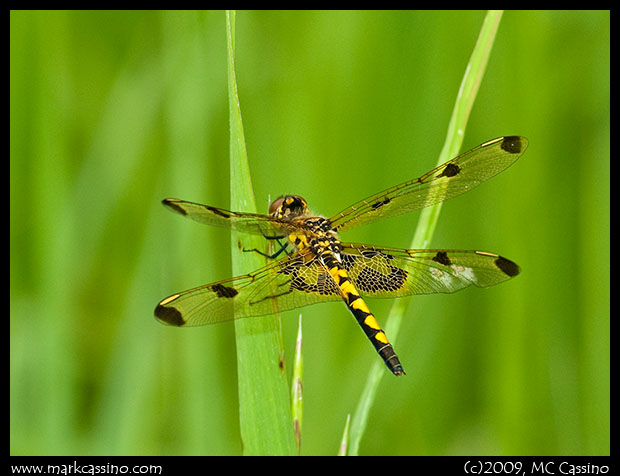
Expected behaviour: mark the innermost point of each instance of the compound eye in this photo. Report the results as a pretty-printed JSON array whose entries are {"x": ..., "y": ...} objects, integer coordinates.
[
  {"x": 294, "y": 206},
  {"x": 288, "y": 207},
  {"x": 276, "y": 206}
]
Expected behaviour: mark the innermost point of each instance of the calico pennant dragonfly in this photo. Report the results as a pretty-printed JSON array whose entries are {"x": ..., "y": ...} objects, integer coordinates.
[{"x": 318, "y": 267}]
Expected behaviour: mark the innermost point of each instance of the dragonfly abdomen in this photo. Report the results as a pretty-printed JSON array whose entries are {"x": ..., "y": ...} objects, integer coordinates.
[{"x": 365, "y": 318}]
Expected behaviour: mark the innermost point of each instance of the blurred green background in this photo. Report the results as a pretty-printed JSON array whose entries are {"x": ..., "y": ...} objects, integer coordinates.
[{"x": 113, "y": 111}]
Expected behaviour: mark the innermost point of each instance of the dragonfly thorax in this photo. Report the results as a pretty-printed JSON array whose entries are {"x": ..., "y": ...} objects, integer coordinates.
[{"x": 316, "y": 234}]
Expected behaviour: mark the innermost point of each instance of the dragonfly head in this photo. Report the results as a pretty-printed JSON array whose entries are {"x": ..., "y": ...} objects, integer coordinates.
[{"x": 288, "y": 207}]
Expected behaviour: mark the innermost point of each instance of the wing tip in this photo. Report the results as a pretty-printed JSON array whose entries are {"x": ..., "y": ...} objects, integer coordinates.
[
  {"x": 514, "y": 144},
  {"x": 509, "y": 268},
  {"x": 169, "y": 315},
  {"x": 171, "y": 204}
]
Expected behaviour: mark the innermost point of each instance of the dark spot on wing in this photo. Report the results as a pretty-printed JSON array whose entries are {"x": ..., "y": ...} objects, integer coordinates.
[
  {"x": 217, "y": 211},
  {"x": 379, "y": 204},
  {"x": 507, "y": 266},
  {"x": 512, "y": 144},
  {"x": 442, "y": 258},
  {"x": 450, "y": 170},
  {"x": 172, "y": 204},
  {"x": 370, "y": 280},
  {"x": 169, "y": 315},
  {"x": 224, "y": 291}
]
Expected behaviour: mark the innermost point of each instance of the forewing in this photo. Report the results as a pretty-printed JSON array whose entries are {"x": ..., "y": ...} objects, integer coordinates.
[
  {"x": 295, "y": 281},
  {"x": 453, "y": 178},
  {"x": 392, "y": 272},
  {"x": 253, "y": 223}
]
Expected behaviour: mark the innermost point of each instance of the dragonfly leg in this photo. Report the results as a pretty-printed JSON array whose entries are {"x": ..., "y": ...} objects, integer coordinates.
[{"x": 283, "y": 247}]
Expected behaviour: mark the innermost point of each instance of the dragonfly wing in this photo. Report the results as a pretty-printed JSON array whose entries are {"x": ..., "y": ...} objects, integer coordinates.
[
  {"x": 392, "y": 272},
  {"x": 253, "y": 223},
  {"x": 453, "y": 178},
  {"x": 295, "y": 281}
]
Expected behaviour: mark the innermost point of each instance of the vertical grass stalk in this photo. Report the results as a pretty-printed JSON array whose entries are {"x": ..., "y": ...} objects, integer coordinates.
[
  {"x": 297, "y": 406},
  {"x": 344, "y": 441},
  {"x": 470, "y": 84},
  {"x": 264, "y": 403}
]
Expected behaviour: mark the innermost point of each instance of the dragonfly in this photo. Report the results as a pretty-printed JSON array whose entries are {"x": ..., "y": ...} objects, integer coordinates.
[{"x": 318, "y": 267}]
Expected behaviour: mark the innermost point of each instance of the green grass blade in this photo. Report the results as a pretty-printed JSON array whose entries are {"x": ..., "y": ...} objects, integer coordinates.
[
  {"x": 297, "y": 403},
  {"x": 264, "y": 403},
  {"x": 344, "y": 441},
  {"x": 470, "y": 83}
]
